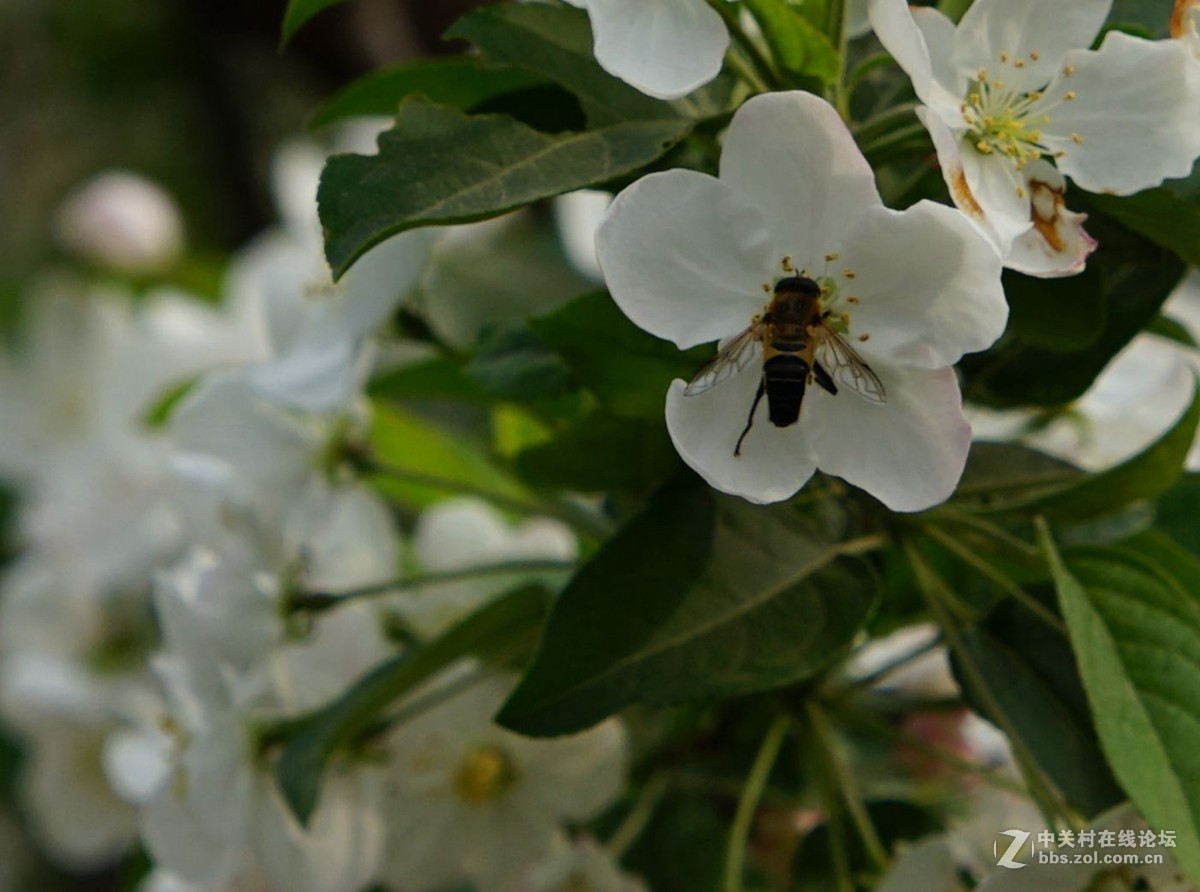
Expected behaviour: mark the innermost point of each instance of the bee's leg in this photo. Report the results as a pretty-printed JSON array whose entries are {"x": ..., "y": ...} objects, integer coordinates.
[
  {"x": 762, "y": 386},
  {"x": 824, "y": 378}
]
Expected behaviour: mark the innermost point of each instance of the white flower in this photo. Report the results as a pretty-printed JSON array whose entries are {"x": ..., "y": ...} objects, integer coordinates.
[
  {"x": 209, "y": 809},
  {"x": 1185, "y": 24},
  {"x": 1133, "y": 402},
  {"x": 461, "y": 533},
  {"x": 665, "y": 48},
  {"x": 123, "y": 221},
  {"x": 580, "y": 866},
  {"x": 1014, "y": 87},
  {"x": 688, "y": 257},
  {"x": 471, "y": 801},
  {"x": 317, "y": 331},
  {"x": 578, "y": 214}
]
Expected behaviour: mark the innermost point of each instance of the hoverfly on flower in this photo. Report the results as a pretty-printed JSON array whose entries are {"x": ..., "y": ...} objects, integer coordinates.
[{"x": 799, "y": 342}]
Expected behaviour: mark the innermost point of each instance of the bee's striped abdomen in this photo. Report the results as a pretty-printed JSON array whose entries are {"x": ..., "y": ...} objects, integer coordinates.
[{"x": 786, "y": 376}]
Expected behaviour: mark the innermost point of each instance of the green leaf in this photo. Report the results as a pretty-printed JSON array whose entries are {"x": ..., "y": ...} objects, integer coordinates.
[
  {"x": 1144, "y": 476},
  {"x": 602, "y": 453},
  {"x": 1177, "y": 510},
  {"x": 1030, "y": 672},
  {"x": 628, "y": 369},
  {"x": 699, "y": 596},
  {"x": 506, "y": 272},
  {"x": 513, "y": 364},
  {"x": 1136, "y": 277},
  {"x": 556, "y": 43},
  {"x": 1161, "y": 216},
  {"x": 498, "y": 630},
  {"x": 422, "y": 462},
  {"x": 434, "y": 378},
  {"x": 439, "y": 166},
  {"x": 1059, "y": 315},
  {"x": 460, "y": 83},
  {"x": 1136, "y": 635},
  {"x": 300, "y": 11},
  {"x": 798, "y": 46}
]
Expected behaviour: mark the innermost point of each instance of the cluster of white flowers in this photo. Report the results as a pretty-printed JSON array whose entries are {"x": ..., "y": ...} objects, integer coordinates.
[{"x": 180, "y": 479}]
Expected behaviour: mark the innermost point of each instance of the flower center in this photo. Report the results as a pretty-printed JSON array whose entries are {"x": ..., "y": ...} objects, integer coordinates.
[
  {"x": 484, "y": 775},
  {"x": 835, "y": 306},
  {"x": 1010, "y": 122}
]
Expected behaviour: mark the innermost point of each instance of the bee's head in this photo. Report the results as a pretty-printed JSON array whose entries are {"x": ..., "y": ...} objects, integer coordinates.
[{"x": 800, "y": 285}]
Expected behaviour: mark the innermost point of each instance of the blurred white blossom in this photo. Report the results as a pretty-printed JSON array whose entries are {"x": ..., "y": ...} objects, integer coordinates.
[
  {"x": 468, "y": 800},
  {"x": 122, "y": 221}
]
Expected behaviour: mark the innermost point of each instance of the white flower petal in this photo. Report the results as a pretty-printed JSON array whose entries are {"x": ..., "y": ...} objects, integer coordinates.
[
  {"x": 378, "y": 281},
  {"x": 180, "y": 845},
  {"x": 774, "y": 462},
  {"x": 921, "y": 40},
  {"x": 340, "y": 849},
  {"x": 685, "y": 257},
  {"x": 1021, "y": 28},
  {"x": 137, "y": 763},
  {"x": 927, "y": 312},
  {"x": 962, "y": 168},
  {"x": 1137, "y": 112},
  {"x": 791, "y": 157},
  {"x": 665, "y": 48},
  {"x": 1057, "y": 245},
  {"x": 578, "y": 775},
  {"x": 909, "y": 452}
]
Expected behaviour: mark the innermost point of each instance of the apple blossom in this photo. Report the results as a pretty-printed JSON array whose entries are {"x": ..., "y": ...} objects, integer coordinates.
[
  {"x": 1014, "y": 87},
  {"x": 461, "y": 533},
  {"x": 665, "y": 48},
  {"x": 580, "y": 866},
  {"x": 687, "y": 257},
  {"x": 124, "y": 221},
  {"x": 468, "y": 800}
]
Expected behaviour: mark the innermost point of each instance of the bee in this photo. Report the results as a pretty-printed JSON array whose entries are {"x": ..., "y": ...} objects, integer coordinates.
[{"x": 798, "y": 344}]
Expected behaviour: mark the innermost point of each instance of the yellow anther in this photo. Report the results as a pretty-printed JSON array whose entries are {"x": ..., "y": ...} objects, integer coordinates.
[
  {"x": 1068, "y": 70},
  {"x": 829, "y": 258},
  {"x": 483, "y": 775},
  {"x": 1033, "y": 54},
  {"x": 864, "y": 337},
  {"x": 1035, "y": 95},
  {"x": 786, "y": 263},
  {"x": 845, "y": 317},
  {"x": 1061, "y": 153},
  {"x": 1020, "y": 63},
  {"x": 983, "y": 147},
  {"x": 997, "y": 84},
  {"x": 1069, "y": 95},
  {"x": 766, "y": 287},
  {"x": 851, "y": 299},
  {"x": 849, "y": 273},
  {"x": 1020, "y": 191},
  {"x": 1003, "y": 56},
  {"x": 1077, "y": 139},
  {"x": 982, "y": 75}
]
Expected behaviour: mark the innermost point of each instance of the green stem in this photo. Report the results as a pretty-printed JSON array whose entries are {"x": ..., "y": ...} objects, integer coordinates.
[
  {"x": 320, "y": 601},
  {"x": 835, "y": 27},
  {"x": 743, "y": 819},
  {"x": 1008, "y": 586},
  {"x": 760, "y": 74},
  {"x": 639, "y": 816},
  {"x": 826, "y": 739},
  {"x": 933, "y": 588}
]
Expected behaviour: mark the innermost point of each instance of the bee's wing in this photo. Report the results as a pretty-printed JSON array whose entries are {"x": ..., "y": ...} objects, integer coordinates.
[
  {"x": 731, "y": 358},
  {"x": 847, "y": 367}
]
